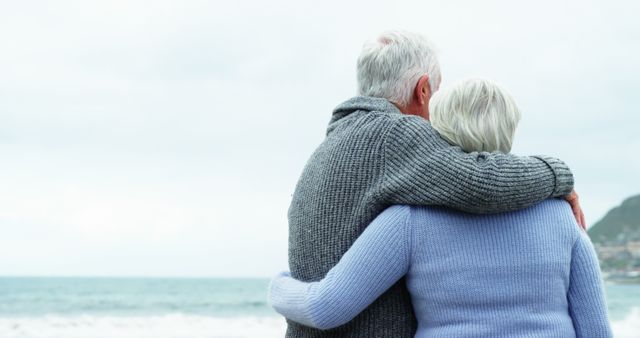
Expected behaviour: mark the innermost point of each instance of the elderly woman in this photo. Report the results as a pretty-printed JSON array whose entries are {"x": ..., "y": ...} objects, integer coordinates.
[{"x": 528, "y": 273}]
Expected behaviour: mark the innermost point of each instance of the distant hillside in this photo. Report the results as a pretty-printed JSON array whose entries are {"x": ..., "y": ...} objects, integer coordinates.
[{"x": 620, "y": 223}]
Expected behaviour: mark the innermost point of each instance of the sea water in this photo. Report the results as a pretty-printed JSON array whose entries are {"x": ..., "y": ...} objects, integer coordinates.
[{"x": 179, "y": 307}]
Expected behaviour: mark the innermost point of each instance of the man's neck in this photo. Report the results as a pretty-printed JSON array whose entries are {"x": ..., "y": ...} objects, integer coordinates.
[{"x": 412, "y": 109}]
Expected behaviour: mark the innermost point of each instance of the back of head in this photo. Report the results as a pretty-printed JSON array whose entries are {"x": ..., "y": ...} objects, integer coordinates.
[
  {"x": 475, "y": 114},
  {"x": 390, "y": 66}
]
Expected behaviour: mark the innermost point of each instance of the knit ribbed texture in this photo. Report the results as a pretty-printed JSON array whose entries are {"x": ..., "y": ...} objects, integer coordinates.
[
  {"x": 584, "y": 290},
  {"x": 375, "y": 156},
  {"x": 529, "y": 273},
  {"x": 298, "y": 293}
]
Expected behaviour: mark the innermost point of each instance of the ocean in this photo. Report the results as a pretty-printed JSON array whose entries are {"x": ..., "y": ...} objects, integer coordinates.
[{"x": 179, "y": 307}]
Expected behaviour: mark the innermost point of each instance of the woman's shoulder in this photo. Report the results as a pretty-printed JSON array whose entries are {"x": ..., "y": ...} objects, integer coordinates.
[
  {"x": 397, "y": 210},
  {"x": 559, "y": 214},
  {"x": 393, "y": 216},
  {"x": 552, "y": 213},
  {"x": 555, "y": 204},
  {"x": 556, "y": 210}
]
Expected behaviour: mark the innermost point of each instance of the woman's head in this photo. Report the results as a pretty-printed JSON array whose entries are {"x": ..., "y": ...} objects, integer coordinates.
[{"x": 475, "y": 114}]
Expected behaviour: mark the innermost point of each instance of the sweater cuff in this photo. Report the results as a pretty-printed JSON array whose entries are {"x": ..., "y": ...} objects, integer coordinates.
[
  {"x": 289, "y": 297},
  {"x": 563, "y": 175}
]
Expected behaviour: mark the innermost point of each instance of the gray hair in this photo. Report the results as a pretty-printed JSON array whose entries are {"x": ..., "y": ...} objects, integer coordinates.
[
  {"x": 475, "y": 114},
  {"x": 390, "y": 66}
]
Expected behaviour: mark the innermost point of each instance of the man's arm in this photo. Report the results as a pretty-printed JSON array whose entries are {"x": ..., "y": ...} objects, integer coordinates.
[
  {"x": 586, "y": 295},
  {"x": 376, "y": 261},
  {"x": 421, "y": 168}
]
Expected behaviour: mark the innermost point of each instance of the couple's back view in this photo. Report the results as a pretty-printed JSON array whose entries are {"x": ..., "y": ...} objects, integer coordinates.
[{"x": 380, "y": 151}]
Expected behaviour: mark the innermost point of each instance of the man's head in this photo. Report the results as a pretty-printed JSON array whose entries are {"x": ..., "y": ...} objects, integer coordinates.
[
  {"x": 401, "y": 67},
  {"x": 475, "y": 114}
]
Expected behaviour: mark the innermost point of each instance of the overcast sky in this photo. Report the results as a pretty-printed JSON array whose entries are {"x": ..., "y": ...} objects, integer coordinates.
[{"x": 165, "y": 138}]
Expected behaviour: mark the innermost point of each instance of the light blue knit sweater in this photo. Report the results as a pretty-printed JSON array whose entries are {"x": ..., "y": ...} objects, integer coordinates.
[{"x": 529, "y": 273}]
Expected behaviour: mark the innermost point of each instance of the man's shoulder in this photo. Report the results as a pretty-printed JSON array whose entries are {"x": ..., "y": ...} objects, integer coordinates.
[
  {"x": 376, "y": 123},
  {"x": 395, "y": 119},
  {"x": 372, "y": 113},
  {"x": 382, "y": 119},
  {"x": 363, "y": 125}
]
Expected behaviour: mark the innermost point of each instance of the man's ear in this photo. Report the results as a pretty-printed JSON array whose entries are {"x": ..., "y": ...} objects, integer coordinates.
[{"x": 422, "y": 91}]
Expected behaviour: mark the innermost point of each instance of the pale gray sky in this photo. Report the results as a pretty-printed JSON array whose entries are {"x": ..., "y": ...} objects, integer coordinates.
[{"x": 166, "y": 137}]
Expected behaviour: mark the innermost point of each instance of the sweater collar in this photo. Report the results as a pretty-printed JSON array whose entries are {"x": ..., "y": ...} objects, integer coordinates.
[{"x": 362, "y": 103}]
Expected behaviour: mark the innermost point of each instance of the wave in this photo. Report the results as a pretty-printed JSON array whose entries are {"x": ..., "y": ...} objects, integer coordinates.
[
  {"x": 183, "y": 325},
  {"x": 165, "y": 326},
  {"x": 628, "y": 327}
]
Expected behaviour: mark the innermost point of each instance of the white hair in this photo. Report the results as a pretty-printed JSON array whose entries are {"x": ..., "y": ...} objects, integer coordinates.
[
  {"x": 475, "y": 114},
  {"x": 390, "y": 66}
]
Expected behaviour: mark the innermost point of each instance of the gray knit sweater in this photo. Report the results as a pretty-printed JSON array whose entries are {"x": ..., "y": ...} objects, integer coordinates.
[{"x": 375, "y": 156}]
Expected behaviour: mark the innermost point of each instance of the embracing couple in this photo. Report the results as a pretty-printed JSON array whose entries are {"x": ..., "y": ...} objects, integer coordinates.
[{"x": 412, "y": 219}]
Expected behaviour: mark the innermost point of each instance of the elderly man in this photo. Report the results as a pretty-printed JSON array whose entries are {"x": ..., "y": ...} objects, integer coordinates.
[{"x": 380, "y": 150}]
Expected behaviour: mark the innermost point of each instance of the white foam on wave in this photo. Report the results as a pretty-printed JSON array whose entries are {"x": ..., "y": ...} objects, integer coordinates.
[
  {"x": 166, "y": 326},
  {"x": 187, "y": 326},
  {"x": 628, "y": 327}
]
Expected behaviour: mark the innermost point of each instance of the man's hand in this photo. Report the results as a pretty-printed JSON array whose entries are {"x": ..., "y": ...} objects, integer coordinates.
[{"x": 572, "y": 198}]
